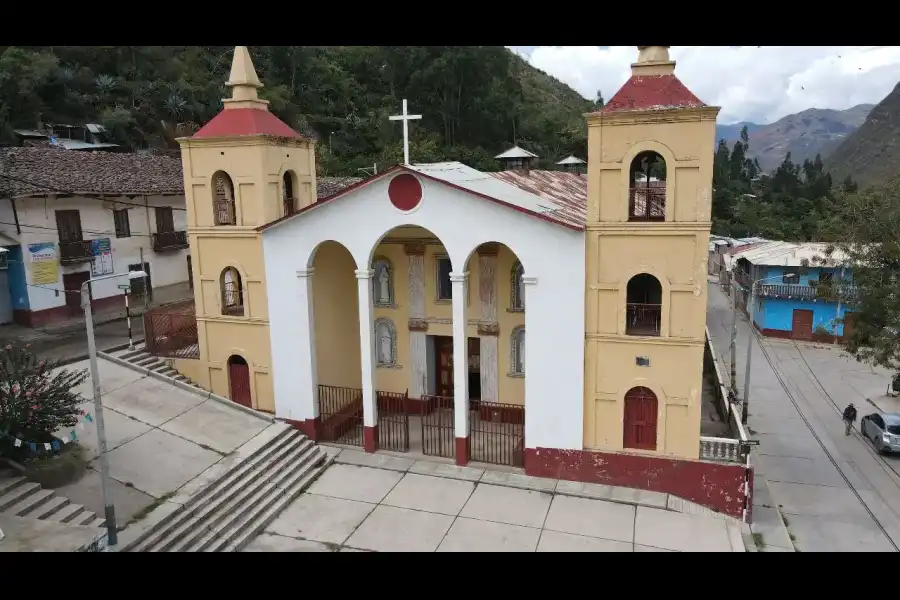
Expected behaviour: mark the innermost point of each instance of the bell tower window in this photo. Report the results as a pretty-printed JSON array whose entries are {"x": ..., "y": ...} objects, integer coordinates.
[
  {"x": 289, "y": 193},
  {"x": 647, "y": 183},
  {"x": 223, "y": 199}
]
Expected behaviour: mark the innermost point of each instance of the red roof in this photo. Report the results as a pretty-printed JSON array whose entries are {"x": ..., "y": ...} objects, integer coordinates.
[
  {"x": 652, "y": 92},
  {"x": 245, "y": 121}
]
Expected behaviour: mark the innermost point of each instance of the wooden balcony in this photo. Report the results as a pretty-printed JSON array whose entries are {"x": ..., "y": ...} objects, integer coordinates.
[
  {"x": 75, "y": 252},
  {"x": 647, "y": 203},
  {"x": 169, "y": 240},
  {"x": 643, "y": 319},
  {"x": 807, "y": 292},
  {"x": 223, "y": 210}
]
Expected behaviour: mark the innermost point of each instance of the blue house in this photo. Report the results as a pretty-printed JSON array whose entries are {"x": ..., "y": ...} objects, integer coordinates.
[{"x": 801, "y": 292}]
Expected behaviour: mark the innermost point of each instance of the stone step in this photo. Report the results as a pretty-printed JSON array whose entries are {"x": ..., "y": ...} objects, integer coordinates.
[
  {"x": 66, "y": 513},
  {"x": 180, "y": 377},
  {"x": 97, "y": 522},
  {"x": 8, "y": 483},
  {"x": 132, "y": 355},
  {"x": 231, "y": 495},
  {"x": 145, "y": 361},
  {"x": 48, "y": 508},
  {"x": 83, "y": 518},
  {"x": 159, "y": 368},
  {"x": 17, "y": 494},
  {"x": 251, "y": 501},
  {"x": 247, "y": 531},
  {"x": 29, "y": 503},
  {"x": 247, "y": 527},
  {"x": 169, "y": 372},
  {"x": 229, "y": 483}
]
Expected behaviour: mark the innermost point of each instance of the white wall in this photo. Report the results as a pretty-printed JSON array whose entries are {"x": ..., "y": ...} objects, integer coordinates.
[
  {"x": 37, "y": 219},
  {"x": 550, "y": 253}
]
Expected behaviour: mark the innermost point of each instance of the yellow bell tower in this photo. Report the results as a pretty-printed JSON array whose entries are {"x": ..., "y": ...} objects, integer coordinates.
[
  {"x": 650, "y": 153},
  {"x": 243, "y": 169}
]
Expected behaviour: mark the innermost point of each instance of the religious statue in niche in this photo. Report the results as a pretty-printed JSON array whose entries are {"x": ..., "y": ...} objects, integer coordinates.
[
  {"x": 385, "y": 343},
  {"x": 383, "y": 284}
]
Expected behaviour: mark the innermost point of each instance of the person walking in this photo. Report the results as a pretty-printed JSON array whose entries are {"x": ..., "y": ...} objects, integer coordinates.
[{"x": 849, "y": 418}]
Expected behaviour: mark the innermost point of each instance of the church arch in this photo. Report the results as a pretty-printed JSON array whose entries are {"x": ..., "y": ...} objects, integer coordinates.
[
  {"x": 643, "y": 305},
  {"x": 383, "y": 282},
  {"x": 224, "y": 201},
  {"x": 640, "y": 419},
  {"x": 232, "y": 292},
  {"x": 647, "y": 187},
  {"x": 239, "y": 381},
  {"x": 289, "y": 187},
  {"x": 385, "y": 343}
]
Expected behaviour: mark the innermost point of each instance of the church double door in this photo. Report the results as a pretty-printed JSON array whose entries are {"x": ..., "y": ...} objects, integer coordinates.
[{"x": 444, "y": 379}]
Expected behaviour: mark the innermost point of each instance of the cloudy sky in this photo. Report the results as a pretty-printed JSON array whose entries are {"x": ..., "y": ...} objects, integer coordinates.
[{"x": 750, "y": 83}]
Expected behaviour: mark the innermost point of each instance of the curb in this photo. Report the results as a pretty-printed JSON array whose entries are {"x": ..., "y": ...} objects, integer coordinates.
[
  {"x": 85, "y": 356},
  {"x": 184, "y": 386}
]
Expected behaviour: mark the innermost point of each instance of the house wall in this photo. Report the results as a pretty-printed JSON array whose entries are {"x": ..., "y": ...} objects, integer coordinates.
[
  {"x": 772, "y": 315},
  {"x": 552, "y": 255},
  {"x": 47, "y": 302}
]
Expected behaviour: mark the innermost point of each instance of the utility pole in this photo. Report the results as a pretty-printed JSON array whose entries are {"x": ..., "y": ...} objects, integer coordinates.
[
  {"x": 145, "y": 281},
  {"x": 750, "y": 336},
  {"x": 733, "y": 345}
]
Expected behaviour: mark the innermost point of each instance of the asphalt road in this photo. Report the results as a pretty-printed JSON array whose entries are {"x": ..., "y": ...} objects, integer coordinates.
[
  {"x": 74, "y": 345},
  {"x": 835, "y": 493}
]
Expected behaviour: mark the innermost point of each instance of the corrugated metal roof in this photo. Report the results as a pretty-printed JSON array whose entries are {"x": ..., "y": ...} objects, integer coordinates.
[
  {"x": 790, "y": 254},
  {"x": 79, "y": 145},
  {"x": 516, "y": 152},
  {"x": 563, "y": 194},
  {"x": 571, "y": 160}
]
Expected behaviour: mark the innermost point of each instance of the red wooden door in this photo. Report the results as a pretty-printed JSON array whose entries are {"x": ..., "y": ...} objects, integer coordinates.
[
  {"x": 239, "y": 377},
  {"x": 848, "y": 325},
  {"x": 444, "y": 366},
  {"x": 802, "y": 325},
  {"x": 72, "y": 283},
  {"x": 640, "y": 419}
]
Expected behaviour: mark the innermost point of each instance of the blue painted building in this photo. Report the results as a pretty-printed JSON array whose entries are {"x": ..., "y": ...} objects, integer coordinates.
[{"x": 796, "y": 297}]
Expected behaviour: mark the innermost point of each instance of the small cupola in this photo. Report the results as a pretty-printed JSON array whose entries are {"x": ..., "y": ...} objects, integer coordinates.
[
  {"x": 516, "y": 159},
  {"x": 572, "y": 164}
]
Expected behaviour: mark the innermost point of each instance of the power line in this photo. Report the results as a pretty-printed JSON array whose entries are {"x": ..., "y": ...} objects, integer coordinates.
[
  {"x": 71, "y": 193},
  {"x": 149, "y": 235}
]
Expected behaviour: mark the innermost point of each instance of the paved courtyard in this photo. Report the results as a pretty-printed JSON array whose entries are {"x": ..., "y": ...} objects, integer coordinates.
[{"x": 443, "y": 508}]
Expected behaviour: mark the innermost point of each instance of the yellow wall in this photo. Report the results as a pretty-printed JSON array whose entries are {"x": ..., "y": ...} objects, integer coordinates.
[
  {"x": 336, "y": 311},
  {"x": 673, "y": 251}
]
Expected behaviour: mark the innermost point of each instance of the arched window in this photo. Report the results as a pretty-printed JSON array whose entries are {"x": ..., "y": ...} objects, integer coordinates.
[
  {"x": 223, "y": 199},
  {"x": 643, "y": 312},
  {"x": 517, "y": 351},
  {"x": 640, "y": 419},
  {"x": 385, "y": 343},
  {"x": 383, "y": 282},
  {"x": 517, "y": 295},
  {"x": 232, "y": 293},
  {"x": 647, "y": 180},
  {"x": 289, "y": 193}
]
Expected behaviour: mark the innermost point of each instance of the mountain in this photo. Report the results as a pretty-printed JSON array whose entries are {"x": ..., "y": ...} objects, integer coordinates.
[
  {"x": 732, "y": 131},
  {"x": 871, "y": 154},
  {"x": 804, "y": 134},
  {"x": 476, "y": 101}
]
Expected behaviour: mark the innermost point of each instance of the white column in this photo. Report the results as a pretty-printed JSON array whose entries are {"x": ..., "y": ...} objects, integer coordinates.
[
  {"x": 367, "y": 356},
  {"x": 533, "y": 416},
  {"x": 305, "y": 346},
  {"x": 460, "y": 359}
]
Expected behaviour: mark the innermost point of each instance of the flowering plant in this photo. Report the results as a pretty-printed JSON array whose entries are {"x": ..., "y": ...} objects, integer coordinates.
[{"x": 36, "y": 397}]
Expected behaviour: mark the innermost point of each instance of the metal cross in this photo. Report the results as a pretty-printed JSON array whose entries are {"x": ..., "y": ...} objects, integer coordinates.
[{"x": 406, "y": 118}]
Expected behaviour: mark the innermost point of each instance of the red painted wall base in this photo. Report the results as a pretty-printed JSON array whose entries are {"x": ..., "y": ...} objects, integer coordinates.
[
  {"x": 462, "y": 451},
  {"x": 370, "y": 439},
  {"x": 716, "y": 486}
]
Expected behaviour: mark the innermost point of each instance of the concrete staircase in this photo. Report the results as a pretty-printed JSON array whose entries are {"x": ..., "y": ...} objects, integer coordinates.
[
  {"x": 20, "y": 498},
  {"x": 141, "y": 358},
  {"x": 229, "y": 513}
]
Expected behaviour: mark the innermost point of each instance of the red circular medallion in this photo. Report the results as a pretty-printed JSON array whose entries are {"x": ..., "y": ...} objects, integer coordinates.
[{"x": 405, "y": 192}]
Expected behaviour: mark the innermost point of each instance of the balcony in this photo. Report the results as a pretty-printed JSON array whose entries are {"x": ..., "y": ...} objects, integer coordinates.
[
  {"x": 232, "y": 300},
  {"x": 169, "y": 240},
  {"x": 643, "y": 319},
  {"x": 290, "y": 206},
  {"x": 223, "y": 211},
  {"x": 807, "y": 292},
  {"x": 75, "y": 252},
  {"x": 647, "y": 203}
]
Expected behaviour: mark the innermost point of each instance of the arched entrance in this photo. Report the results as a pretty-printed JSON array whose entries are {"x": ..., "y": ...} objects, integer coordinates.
[
  {"x": 239, "y": 381},
  {"x": 640, "y": 419}
]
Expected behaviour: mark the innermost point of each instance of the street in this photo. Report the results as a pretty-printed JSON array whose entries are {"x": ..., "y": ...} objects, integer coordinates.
[
  {"x": 834, "y": 492},
  {"x": 73, "y": 344}
]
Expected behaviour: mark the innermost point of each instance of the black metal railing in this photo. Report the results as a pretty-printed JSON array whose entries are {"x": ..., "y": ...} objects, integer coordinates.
[
  {"x": 438, "y": 433},
  {"x": 393, "y": 421},
  {"x": 643, "y": 319},
  {"x": 170, "y": 240},
  {"x": 647, "y": 203},
  {"x": 232, "y": 300},
  {"x": 290, "y": 206},
  {"x": 73, "y": 252},
  {"x": 341, "y": 415},
  {"x": 497, "y": 433},
  {"x": 223, "y": 210}
]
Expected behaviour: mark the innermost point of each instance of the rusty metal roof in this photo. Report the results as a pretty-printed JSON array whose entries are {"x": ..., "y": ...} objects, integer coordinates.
[{"x": 564, "y": 193}]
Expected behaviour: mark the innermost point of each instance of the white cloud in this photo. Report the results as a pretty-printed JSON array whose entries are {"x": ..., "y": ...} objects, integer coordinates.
[{"x": 750, "y": 83}]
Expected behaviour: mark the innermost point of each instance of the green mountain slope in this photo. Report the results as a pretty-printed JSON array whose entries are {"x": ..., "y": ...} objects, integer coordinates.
[
  {"x": 871, "y": 154},
  {"x": 476, "y": 101}
]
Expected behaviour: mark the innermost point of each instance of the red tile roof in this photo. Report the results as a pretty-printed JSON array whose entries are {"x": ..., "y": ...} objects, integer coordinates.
[
  {"x": 565, "y": 192},
  {"x": 245, "y": 121},
  {"x": 652, "y": 92}
]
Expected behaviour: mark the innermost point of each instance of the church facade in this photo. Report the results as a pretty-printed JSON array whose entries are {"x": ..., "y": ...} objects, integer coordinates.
[{"x": 398, "y": 312}]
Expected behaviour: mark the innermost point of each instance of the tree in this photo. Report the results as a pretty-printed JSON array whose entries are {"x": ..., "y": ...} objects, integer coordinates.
[
  {"x": 36, "y": 397},
  {"x": 866, "y": 230}
]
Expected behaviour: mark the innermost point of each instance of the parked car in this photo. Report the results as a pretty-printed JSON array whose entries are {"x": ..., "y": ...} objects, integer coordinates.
[{"x": 883, "y": 429}]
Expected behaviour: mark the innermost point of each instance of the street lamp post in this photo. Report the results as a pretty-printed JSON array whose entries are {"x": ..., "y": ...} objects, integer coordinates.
[{"x": 110, "y": 512}]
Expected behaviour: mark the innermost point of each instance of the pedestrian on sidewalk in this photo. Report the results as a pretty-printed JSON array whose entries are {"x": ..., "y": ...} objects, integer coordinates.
[{"x": 849, "y": 418}]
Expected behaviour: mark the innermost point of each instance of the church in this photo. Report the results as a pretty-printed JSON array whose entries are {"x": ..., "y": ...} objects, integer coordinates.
[{"x": 547, "y": 320}]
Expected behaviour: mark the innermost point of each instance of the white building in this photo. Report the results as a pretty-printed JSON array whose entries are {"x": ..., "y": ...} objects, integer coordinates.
[{"x": 67, "y": 216}]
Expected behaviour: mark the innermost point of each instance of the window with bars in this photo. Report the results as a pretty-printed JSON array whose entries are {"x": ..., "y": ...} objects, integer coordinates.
[
  {"x": 444, "y": 287},
  {"x": 68, "y": 226}
]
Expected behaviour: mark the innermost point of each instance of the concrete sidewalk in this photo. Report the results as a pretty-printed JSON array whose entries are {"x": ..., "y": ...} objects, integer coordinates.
[{"x": 402, "y": 505}]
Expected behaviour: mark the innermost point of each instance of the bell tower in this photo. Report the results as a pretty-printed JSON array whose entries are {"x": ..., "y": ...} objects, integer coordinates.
[
  {"x": 650, "y": 161},
  {"x": 243, "y": 169}
]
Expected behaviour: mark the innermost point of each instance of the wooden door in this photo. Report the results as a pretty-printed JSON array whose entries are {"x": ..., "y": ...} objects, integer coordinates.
[
  {"x": 72, "y": 283},
  {"x": 68, "y": 226},
  {"x": 640, "y": 419},
  {"x": 165, "y": 222},
  {"x": 802, "y": 325},
  {"x": 444, "y": 365},
  {"x": 239, "y": 379},
  {"x": 849, "y": 317}
]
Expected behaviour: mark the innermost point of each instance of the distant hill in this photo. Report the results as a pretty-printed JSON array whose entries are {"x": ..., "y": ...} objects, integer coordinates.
[
  {"x": 804, "y": 134},
  {"x": 871, "y": 154}
]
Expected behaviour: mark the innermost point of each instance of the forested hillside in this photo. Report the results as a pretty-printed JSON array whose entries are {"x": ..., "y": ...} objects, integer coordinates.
[{"x": 476, "y": 101}]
